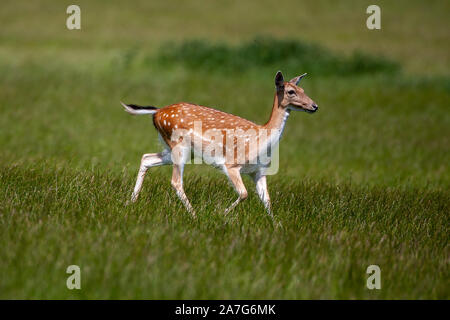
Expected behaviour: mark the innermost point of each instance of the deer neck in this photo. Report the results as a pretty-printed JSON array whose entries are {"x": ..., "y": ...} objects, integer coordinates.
[{"x": 278, "y": 117}]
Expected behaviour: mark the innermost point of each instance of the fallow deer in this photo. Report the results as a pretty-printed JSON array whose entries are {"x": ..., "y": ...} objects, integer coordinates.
[{"x": 176, "y": 128}]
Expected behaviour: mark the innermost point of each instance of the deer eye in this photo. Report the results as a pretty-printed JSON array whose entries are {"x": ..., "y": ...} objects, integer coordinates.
[{"x": 291, "y": 92}]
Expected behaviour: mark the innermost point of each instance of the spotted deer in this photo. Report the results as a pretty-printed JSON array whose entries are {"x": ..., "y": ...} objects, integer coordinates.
[{"x": 176, "y": 126}]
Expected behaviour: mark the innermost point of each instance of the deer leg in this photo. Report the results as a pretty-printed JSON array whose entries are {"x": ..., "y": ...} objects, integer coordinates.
[
  {"x": 148, "y": 160},
  {"x": 177, "y": 184},
  {"x": 236, "y": 179},
  {"x": 263, "y": 193}
]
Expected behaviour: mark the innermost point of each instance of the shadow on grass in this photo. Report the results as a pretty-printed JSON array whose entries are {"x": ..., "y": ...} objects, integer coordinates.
[{"x": 271, "y": 52}]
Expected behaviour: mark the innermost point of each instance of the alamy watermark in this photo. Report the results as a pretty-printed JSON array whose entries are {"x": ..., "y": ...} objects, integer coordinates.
[
  {"x": 73, "y": 22},
  {"x": 74, "y": 280},
  {"x": 374, "y": 20},
  {"x": 220, "y": 146},
  {"x": 374, "y": 280}
]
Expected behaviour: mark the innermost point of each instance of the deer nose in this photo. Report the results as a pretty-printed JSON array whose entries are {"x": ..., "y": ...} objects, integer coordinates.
[{"x": 315, "y": 106}]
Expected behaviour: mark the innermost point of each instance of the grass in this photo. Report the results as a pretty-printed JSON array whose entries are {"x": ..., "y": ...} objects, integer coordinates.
[
  {"x": 270, "y": 53},
  {"x": 330, "y": 234},
  {"x": 363, "y": 181}
]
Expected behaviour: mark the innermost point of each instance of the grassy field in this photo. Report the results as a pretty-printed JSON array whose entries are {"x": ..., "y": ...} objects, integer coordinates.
[{"x": 363, "y": 181}]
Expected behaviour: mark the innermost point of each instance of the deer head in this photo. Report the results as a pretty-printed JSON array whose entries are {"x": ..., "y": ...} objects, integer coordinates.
[{"x": 291, "y": 96}]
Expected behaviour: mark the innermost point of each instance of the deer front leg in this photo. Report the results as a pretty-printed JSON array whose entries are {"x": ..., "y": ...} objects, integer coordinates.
[
  {"x": 263, "y": 193},
  {"x": 236, "y": 179},
  {"x": 148, "y": 160},
  {"x": 177, "y": 184}
]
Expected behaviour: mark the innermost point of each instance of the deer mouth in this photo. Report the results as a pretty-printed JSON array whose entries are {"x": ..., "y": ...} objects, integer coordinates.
[
  {"x": 309, "y": 109},
  {"x": 314, "y": 108}
]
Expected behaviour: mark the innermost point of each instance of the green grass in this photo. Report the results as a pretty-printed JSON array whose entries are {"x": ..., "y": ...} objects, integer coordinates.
[
  {"x": 363, "y": 181},
  {"x": 153, "y": 249},
  {"x": 270, "y": 53}
]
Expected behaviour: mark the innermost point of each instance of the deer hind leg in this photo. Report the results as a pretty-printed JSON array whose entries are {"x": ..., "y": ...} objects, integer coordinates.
[
  {"x": 263, "y": 193},
  {"x": 235, "y": 177},
  {"x": 177, "y": 184},
  {"x": 149, "y": 160}
]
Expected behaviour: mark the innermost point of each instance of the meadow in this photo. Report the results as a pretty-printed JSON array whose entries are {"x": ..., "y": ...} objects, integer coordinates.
[{"x": 363, "y": 181}]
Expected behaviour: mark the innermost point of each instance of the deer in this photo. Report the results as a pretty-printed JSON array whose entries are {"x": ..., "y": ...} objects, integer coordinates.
[{"x": 177, "y": 130}]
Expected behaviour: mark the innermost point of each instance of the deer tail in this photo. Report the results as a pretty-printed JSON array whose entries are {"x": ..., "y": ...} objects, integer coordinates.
[{"x": 138, "y": 110}]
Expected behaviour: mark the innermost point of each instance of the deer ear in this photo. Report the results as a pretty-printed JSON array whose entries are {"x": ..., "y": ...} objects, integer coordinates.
[
  {"x": 279, "y": 81},
  {"x": 296, "y": 80}
]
